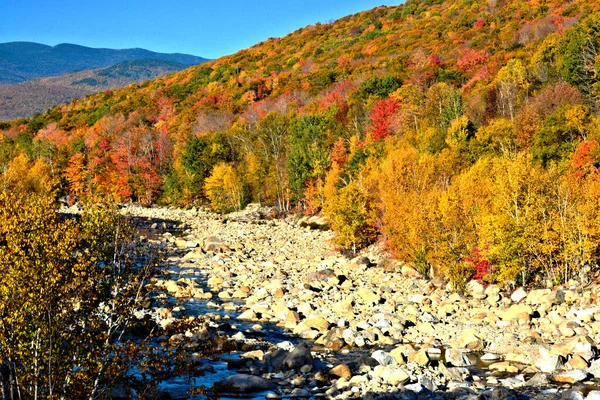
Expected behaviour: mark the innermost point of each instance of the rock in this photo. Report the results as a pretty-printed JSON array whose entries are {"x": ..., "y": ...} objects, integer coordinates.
[
  {"x": 457, "y": 358},
  {"x": 573, "y": 376},
  {"x": 247, "y": 315},
  {"x": 538, "y": 297},
  {"x": 539, "y": 379},
  {"x": 594, "y": 369},
  {"x": 215, "y": 244},
  {"x": 490, "y": 357},
  {"x": 344, "y": 308},
  {"x": 593, "y": 395},
  {"x": 391, "y": 375},
  {"x": 548, "y": 362},
  {"x": 320, "y": 276},
  {"x": 517, "y": 311},
  {"x": 577, "y": 362},
  {"x": 469, "y": 340},
  {"x": 557, "y": 297},
  {"x": 420, "y": 357},
  {"x": 298, "y": 358},
  {"x": 518, "y": 295},
  {"x": 342, "y": 371},
  {"x": 503, "y": 366},
  {"x": 368, "y": 296},
  {"x": 475, "y": 288},
  {"x": 383, "y": 358},
  {"x": 300, "y": 393},
  {"x": 318, "y": 323},
  {"x": 256, "y": 354},
  {"x": 242, "y": 383}
]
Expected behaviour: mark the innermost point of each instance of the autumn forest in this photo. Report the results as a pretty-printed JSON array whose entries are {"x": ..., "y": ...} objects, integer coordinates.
[{"x": 463, "y": 134}]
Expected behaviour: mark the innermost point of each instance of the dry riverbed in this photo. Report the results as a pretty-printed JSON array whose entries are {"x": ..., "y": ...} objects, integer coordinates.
[{"x": 367, "y": 327}]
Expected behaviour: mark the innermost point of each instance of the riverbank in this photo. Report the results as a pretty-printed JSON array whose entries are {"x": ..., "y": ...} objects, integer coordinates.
[{"x": 375, "y": 329}]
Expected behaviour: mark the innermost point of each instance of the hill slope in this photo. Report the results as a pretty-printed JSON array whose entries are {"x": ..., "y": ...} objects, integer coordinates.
[
  {"x": 37, "y": 95},
  {"x": 465, "y": 134},
  {"x": 21, "y": 61}
]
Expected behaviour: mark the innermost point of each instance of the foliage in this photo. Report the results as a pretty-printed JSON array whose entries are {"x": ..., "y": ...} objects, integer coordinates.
[
  {"x": 224, "y": 189},
  {"x": 441, "y": 120},
  {"x": 67, "y": 296}
]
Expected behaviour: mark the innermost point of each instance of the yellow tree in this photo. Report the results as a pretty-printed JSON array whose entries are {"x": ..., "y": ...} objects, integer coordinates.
[{"x": 224, "y": 189}]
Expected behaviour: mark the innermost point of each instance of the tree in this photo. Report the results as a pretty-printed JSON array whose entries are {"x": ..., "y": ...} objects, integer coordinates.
[
  {"x": 76, "y": 175},
  {"x": 224, "y": 189},
  {"x": 511, "y": 82},
  {"x": 68, "y": 293},
  {"x": 381, "y": 116},
  {"x": 351, "y": 217}
]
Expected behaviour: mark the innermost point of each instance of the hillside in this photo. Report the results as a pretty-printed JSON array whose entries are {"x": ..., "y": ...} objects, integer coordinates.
[
  {"x": 22, "y": 61},
  {"x": 462, "y": 134},
  {"x": 37, "y": 95}
]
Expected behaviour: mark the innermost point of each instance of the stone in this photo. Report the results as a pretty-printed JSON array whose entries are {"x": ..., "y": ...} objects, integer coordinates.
[
  {"x": 457, "y": 358},
  {"x": 213, "y": 243},
  {"x": 368, "y": 296},
  {"x": 469, "y": 340},
  {"x": 247, "y": 315},
  {"x": 298, "y": 358},
  {"x": 539, "y": 379},
  {"x": 391, "y": 375},
  {"x": 577, "y": 362},
  {"x": 342, "y": 371},
  {"x": 318, "y": 323},
  {"x": 538, "y": 296},
  {"x": 383, "y": 358},
  {"x": 503, "y": 366},
  {"x": 593, "y": 395},
  {"x": 490, "y": 357},
  {"x": 419, "y": 357},
  {"x": 594, "y": 369},
  {"x": 242, "y": 383},
  {"x": 475, "y": 288},
  {"x": 573, "y": 376},
  {"x": 547, "y": 362},
  {"x": 518, "y": 295},
  {"x": 345, "y": 308},
  {"x": 516, "y": 311}
]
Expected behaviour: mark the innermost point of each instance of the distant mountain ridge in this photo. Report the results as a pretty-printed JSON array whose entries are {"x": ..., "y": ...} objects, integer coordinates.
[
  {"x": 25, "y": 99},
  {"x": 22, "y": 61}
]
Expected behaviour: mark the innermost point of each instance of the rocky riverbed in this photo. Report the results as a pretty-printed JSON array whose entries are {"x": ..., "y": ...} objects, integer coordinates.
[{"x": 313, "y": 323}]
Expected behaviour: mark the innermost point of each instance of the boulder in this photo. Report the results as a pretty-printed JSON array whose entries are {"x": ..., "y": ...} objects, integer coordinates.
[
  {"x": 318, "y": 323},
  {"x": 242, "y": 383},
  {"x": 213, "y": 243},
  {"x": 518, "y": 295},
  {"x": 298, "y": 358},
  {"x": 469, "y": 340},
  {"x": 368, "y": 296},
  {"x": 573, "y": 376},
  {"x": 457, "y": 358},
  {"x": 390, "y": 374},
  {"x": 341, "y": 371},
  {"x": 517, "y": 311},
  {"x": 383, "y": 358}
]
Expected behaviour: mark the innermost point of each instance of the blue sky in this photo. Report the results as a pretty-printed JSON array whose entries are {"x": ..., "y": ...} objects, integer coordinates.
[{"x": 204, "y": 28}]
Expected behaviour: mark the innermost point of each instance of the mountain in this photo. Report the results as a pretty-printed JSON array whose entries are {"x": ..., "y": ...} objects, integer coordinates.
[
  {"x": 22, "y": 61},
  {"x": 34, "y": 96},
  {"x": 462, "y": 133}
]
